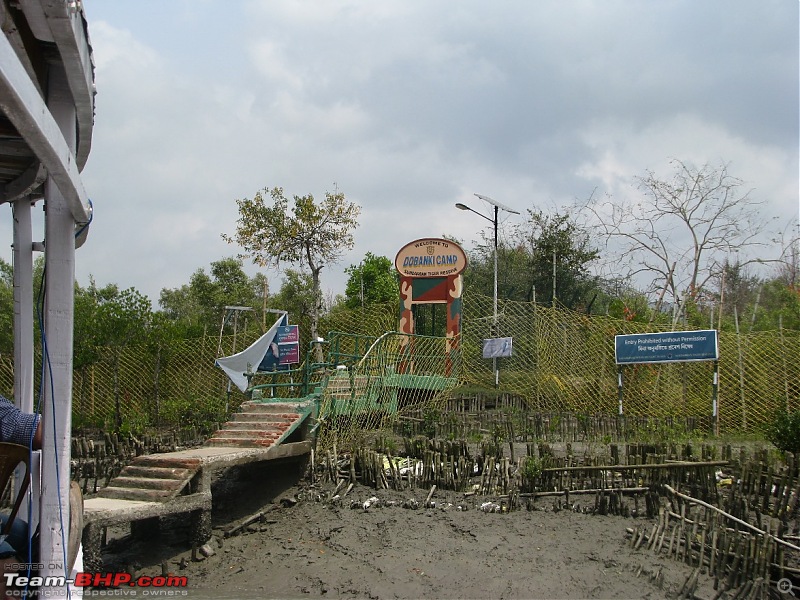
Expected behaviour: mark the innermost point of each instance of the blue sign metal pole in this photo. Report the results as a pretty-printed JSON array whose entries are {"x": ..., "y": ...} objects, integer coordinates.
[
  {"x": 715, "y": 398},
  {"x": 619, "y": 388}
]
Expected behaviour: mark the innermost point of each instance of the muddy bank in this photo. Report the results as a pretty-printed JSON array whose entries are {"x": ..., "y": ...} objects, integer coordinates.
[{"x": 306, "y": 547}]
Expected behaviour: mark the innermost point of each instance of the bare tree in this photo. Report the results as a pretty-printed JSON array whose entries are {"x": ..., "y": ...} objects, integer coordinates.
[
  {"x": 789, "y": 269},
  {"x": 684, "y": 229}
]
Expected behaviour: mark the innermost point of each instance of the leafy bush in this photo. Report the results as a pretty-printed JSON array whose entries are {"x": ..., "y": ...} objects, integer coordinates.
[
  {"x": 204, "y": 413},
  {"x": 531, "y": 471},
  {"x": 430, "y": 418},
  {"x": 784, "y": 431}
]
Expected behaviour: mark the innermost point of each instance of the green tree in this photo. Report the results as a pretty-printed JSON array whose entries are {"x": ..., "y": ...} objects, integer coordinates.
[
  {"x": 779, "y": 306},
  {"x": 513, "y": 280},
  {"x": 372, "y": 281},
  {"x": 757, "y": 304},
  {"x": 7, "y": 304},
  {"x": 559, "y": 254},
  {"x": 312, "y": 234},
  {"x": 181, "y": 306},
  {"x": 87, "y": 337},
  {"x": 198, "y": 306},
  {"x": 526, "y": 260},
  {"x": 738, "y": 292},
  {"x": 6, "y": 308},
  {"x": 122, "y": 319},
  {"x": 295, "y": 296},
  {"x": 162, "y": 347}
]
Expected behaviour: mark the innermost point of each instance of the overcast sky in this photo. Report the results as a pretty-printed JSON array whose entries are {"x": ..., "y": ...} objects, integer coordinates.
[{"x": 409, "y": 106}]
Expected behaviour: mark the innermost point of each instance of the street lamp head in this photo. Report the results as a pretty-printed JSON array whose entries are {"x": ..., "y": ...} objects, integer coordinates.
[{"x": 461, "y": 206}]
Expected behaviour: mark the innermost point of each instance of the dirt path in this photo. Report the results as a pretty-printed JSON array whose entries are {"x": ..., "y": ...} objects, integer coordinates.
[{"x": 315, "y": 549}]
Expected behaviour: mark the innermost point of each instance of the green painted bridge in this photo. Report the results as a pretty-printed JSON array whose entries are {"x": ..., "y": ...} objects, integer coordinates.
[{"x": 362, "y": 376}]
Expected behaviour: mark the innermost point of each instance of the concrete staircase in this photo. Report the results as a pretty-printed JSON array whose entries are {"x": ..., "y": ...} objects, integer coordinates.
[
  {"x": 261, "y": 424},
  {"x": 151, "y": 478},
  {"x": 342, "y": 387},
  {"x": 162, "y": 477}
]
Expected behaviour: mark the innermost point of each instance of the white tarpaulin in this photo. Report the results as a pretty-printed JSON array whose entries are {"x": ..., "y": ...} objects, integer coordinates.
[{"x": 238, "y": 365}]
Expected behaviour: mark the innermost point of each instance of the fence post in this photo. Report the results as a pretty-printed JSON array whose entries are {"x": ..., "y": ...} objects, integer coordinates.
[
  {"x": 715, "y": 398},
  {"x": 783, "y": 361},
  {"x": 741, "y": 368}
]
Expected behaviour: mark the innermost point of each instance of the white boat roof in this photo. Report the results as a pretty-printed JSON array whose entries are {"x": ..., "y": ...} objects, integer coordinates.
[{"x": 45, "y": 58}]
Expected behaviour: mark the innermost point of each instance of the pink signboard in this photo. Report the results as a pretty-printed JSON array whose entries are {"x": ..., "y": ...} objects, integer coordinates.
[
  {"x": 288, "y": 353},
  {"x": 288, "y": 340}
]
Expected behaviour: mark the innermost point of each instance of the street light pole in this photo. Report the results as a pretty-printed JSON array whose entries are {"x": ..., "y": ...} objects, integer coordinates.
[
  {"x": 494, "y": 320},
  {"x": 497, "y": 206}
]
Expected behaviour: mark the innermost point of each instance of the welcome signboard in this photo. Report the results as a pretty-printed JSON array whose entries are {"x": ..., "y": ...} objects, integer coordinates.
[{"x": 430, "y": 257}]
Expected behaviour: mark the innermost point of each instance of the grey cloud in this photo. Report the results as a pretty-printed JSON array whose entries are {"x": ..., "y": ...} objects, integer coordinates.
[{"x": 411, "y": 105}]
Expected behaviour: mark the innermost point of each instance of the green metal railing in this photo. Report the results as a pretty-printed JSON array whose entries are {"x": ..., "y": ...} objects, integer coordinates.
[{"x": 339, "y": 349}]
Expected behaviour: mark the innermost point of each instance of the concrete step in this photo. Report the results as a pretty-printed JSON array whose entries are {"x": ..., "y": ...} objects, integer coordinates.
[
  {"x": 259, "y": 424},
  {"x": 141, "y": 495},
  {"x": 165, "y": 485},
  {"x": 271, "y": 407},
  {"x": 256, "y": 425},
  {"x": 248, "y": 433},
  {"x": 240, "y": 442},
  {"x": 265, "y": 417},
  {"x": 168, "y": 462},
  {"x": 152, "y": 472}
]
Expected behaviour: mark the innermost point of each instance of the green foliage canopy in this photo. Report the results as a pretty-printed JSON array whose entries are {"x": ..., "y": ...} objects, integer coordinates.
[
  {"x": 373, "y": 281},
  {"x": 6, "y": 308},
  {"x": 526, "y": 260},
  {"x": 199, "y": 305}
]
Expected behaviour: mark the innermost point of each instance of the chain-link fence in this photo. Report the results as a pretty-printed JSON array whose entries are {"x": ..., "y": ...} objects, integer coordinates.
[
  {"x": 562, "y": 361},
  {"x": 400, "y": 372}
]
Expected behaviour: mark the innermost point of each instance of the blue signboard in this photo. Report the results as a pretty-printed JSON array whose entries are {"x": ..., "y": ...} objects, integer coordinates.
[
  {"x": 674, "y": 346},
  {"x": 287, "y": 334}
]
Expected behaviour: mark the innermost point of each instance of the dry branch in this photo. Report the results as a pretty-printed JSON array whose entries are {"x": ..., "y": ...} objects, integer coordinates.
[{"x": 752, "y": 528}]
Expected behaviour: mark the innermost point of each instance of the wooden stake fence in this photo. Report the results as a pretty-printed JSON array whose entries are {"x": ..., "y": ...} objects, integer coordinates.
[
  {"x": 738, "y": 555},
  {"x": 743, "y": 535}
]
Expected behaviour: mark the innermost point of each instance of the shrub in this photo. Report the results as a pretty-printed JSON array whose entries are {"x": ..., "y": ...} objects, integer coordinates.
[
  {"x": 430, "y": 418},
  {"x": 784, "y": 431},
  {"x": 531, "y": 471},
  {"x": 204, "y": 413}
]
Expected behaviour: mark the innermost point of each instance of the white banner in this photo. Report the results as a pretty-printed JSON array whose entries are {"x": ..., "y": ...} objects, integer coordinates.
[{"x": 239, "y": 365}]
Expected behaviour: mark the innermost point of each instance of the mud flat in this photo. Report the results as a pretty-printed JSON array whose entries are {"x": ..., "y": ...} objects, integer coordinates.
[{"x": 274, "y": 538}]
